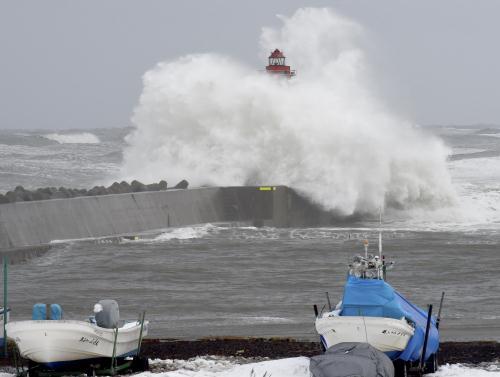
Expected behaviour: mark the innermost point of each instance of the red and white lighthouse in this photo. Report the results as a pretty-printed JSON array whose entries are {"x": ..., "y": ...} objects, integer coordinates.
[{"x": 277, "y": 64}]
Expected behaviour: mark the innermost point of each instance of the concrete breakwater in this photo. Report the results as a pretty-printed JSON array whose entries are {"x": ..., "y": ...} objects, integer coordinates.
[{"x": 36, "y": 223}]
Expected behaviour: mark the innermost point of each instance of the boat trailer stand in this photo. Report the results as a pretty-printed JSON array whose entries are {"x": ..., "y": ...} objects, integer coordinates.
[
  {"x": 404, "y": 369},
  {"x": 120, "y": 365}
]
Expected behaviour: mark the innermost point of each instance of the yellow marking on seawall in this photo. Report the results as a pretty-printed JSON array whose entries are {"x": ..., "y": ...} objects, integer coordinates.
[{"x": 267, "y": 188}]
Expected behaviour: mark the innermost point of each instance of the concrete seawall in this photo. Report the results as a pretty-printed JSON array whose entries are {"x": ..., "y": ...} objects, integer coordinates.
[{"x": 37, "y": 223}]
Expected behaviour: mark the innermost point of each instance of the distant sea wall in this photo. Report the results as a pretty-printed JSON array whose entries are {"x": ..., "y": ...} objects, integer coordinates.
[{"x": 37, "y": 223}]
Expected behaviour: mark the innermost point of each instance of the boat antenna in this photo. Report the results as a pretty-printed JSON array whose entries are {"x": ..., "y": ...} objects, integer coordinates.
[{"x": 380, "y": 233}]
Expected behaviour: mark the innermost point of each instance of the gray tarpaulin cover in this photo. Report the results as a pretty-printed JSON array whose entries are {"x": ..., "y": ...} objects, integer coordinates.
[
  {"x": 107, "y": 314},
  {"x": 351, "y": 359}
]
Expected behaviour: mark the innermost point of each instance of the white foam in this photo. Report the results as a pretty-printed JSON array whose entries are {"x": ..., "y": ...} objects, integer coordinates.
[
  {"x": 464, "y": 150},
  {"x": 477, "y": 182},
  {"x": 185, "y": 233},
  {"x": 491, "y": 135},
  {"x": 476, "y": 170},
  {"x": 74, "y": 138},
  {"x": 7, "y": 150},
  {"x": 213, "y": 120},
  {"x": 265, "y": 319}
]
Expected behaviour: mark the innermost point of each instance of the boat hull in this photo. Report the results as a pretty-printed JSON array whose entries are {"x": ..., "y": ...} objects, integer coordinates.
[
  {"x": 2, "y": 314},
  {"x": 385, "y": 334},
  {"x": 55, "y": 343}
]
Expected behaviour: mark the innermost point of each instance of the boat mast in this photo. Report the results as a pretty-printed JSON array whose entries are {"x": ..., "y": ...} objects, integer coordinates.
[{"x": 380, "y": 234}]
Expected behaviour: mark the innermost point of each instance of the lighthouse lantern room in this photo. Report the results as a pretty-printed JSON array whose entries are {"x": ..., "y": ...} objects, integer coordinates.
[{"x": 277, "y": 64}]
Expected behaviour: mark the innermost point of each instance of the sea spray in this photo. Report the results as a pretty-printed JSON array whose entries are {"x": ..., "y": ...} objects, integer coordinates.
[{"x": 213, "y": 120}]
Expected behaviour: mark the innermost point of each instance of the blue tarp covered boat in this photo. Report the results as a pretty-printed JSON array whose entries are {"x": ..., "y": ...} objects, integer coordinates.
[
  {"x": 376, "y": 298},
  {"x": 372, "y": 311}
]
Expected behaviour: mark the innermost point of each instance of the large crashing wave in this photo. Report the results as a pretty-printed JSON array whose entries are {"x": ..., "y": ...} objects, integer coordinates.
[{"x": 213, "y": 120}]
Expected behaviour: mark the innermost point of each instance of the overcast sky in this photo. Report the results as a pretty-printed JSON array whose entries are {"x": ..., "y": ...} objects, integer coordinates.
[{"x": 78, "y": 64}]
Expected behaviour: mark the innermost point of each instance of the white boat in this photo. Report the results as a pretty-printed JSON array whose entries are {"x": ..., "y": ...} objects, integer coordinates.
[
  {"x": 57, "y": 342},
  {"x": 2, "y": 313},
  {"x": 385, "y": 334},
  {"x": 372, "y": 311}
]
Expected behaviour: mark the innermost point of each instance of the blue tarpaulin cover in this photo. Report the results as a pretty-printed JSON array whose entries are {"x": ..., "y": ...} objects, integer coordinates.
[{"x": 376, "y": 298}]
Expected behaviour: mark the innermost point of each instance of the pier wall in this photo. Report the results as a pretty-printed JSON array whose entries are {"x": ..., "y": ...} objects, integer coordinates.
[{"x": 37, "y": 223}]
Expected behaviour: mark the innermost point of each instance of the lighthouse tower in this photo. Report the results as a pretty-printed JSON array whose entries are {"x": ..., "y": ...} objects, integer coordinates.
[{"x": 277, "y": 65}]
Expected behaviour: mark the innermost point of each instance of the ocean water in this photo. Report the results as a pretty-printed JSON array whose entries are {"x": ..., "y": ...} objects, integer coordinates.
[
  {"x": 79, "y": 159},
  {"x": 218, "y": 279}
]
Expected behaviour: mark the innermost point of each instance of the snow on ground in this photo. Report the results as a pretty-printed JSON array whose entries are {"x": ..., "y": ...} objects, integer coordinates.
[
  {"x": 292, "y": 367},
  {"x": 458, "y": 370},
  {"x": 220, "y": 367},
  {"x": 213, "y": 366}
]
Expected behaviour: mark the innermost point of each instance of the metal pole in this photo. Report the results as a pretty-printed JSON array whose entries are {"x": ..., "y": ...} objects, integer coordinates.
[
  {"x": 438, "y": 320},
  {"x": 5, "y": 309},
  {"x": 427, "y": 329},
  {"x": 113, "y": 358},
  {"x": 380, "y": 233},
  {"x": 384, "y": 268},
  {"x": 140, "y": 333},
  {"x": 328, "y": 300}
]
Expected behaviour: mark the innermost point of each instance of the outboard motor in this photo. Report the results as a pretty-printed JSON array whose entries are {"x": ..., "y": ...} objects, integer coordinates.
[
  {"x": 351, "y": 359},
  {"x": 107, "y": 314}
]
